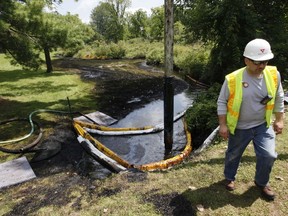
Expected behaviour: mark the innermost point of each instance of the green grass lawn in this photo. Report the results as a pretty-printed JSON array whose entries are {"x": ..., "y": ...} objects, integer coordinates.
[
  {"x": 194, "y": 186},
  {"x": 24, "y": 91}
]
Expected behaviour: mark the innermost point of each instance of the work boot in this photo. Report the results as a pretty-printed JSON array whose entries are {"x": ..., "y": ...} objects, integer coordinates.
[
  {"x": 230, "y": 185},
  {"x": 266, "y": 191}
]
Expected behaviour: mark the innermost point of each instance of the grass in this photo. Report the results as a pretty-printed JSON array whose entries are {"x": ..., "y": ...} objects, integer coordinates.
[
  {"x": 192, "y": 188},
  {"x": 24, "y": 91},
  {"x": 40, "y": 90}
]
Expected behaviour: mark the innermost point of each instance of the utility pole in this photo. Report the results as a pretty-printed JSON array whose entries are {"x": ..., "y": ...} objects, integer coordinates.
[{"x": 168, "y": 78}]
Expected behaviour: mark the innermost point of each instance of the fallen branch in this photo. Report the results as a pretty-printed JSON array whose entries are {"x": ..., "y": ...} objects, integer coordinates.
[{"x": 196, "y": 82}]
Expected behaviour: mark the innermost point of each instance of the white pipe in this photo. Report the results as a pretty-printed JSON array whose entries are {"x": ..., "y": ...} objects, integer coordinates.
[
  {"x": 98, "y": 154},
  {"x": 157, "y": 128},
  {"x": 207, "y": 141}
]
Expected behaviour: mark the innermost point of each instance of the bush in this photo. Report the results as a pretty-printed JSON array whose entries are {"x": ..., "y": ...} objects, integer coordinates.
[
  {"x": 71, "y": 50},
  {"x": 155, "y": 55},
  {"x": 101, "y": 50},
  {"x": 191, "y": 60},
  {"x": 115, "y": 51},
  {"x": 136, "y": 48},
  {"x": 202, "y": 117},
  {"x": 188, "y": 59}
]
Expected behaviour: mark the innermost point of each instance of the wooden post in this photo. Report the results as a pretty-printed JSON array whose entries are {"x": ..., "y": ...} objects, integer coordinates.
[{"x": 168, "y": 78}]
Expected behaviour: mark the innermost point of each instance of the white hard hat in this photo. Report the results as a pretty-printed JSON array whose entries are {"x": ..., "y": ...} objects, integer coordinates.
[{"x": 258, "y": 50}]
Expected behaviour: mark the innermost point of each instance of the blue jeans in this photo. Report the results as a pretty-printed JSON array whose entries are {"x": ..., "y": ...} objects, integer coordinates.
[{"x": 264, "y": 146}]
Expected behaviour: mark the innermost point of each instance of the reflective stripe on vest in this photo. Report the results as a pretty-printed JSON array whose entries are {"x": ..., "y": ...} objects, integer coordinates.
[{"x": 234, "y": 81}]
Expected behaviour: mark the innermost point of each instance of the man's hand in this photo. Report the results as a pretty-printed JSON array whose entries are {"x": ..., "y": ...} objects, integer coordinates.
[
  {"x": 223, "y": 131},
  {"x": 278, "y": 124}
]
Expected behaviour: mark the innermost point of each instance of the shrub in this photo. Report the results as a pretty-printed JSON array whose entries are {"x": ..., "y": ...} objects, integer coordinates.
[
  {"x": 188, "y": 59},
  {"x": 115, "y": 51},
  {"x": 135, "y": 48},
  {"x": 101, "y": 50},
  {"x": 191, "y": 60},
  {"x": 202, "y": 117},
  {"x": 155, "y": 55}
]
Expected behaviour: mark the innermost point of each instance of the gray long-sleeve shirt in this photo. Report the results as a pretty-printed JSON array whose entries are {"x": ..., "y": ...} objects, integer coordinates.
[{"x": 252, "y": 112}]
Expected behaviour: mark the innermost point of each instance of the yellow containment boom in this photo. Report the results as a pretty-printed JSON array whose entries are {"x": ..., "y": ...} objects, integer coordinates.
[
  {"x": 111, "y": 131},
  {"x": 80, "y": 131},
  {"x": 163, "y": 164}
]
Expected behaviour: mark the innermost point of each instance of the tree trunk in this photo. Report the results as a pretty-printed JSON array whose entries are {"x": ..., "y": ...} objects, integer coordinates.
[{"x": 48, "y": 60}]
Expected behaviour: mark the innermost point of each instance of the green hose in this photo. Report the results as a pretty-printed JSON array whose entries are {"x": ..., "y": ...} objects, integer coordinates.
[
  {"x": 28, "y": 146},
  {"x": 31, "y": 124}
]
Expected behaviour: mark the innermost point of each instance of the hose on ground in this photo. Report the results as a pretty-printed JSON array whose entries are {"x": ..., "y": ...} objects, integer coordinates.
[
  {"x": 28, "y": 146},
  {"x": 32, "y": 123}
]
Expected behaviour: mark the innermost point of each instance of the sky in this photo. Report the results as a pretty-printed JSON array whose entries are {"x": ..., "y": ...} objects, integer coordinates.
[{"x": 84, "y": 7}]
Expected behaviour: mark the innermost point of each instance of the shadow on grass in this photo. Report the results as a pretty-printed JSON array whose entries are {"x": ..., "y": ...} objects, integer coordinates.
[
  {"x": 40, "y": 87},
  {"x": 15, "y": 109},
  {"x": 212, "y": 197},
  {"x": 216, "y": 196},
  {"x": 16, "y": 75}
]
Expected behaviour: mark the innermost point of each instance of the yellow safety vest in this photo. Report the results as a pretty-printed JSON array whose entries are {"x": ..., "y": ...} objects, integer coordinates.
[{"x": 234, "y": 81}]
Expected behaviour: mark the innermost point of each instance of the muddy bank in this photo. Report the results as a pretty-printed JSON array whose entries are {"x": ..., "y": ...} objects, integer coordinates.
[
  {"x": 122, "y": 86},
  {"x": 119, "y": 89}
]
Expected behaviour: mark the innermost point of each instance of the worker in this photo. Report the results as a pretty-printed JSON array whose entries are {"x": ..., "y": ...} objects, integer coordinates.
[{"x": 248, "y": 98}]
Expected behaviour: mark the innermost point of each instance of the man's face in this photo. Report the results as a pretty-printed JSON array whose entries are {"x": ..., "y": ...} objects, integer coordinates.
[{"x": 255, "y": 67}]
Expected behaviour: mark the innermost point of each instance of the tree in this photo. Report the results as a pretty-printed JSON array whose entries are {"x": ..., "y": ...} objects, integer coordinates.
[
  {"x": 78, "y": 34},
  {"x": 273, "y": 25},
  {"x": 120, "y": 7},
  {"x": 50, "y": 36},
  {"x": 105, "y": 22},
  {"x": 179, "y": 32},
  {"x": 229, "y": 25},
  {"x": 25, "y": 32},
  {"x": 13, "y": 40},
  {"x": 157, "y": 24},
  {"x": 137, "y": 24},
  {"x": 108, "y": 19}
]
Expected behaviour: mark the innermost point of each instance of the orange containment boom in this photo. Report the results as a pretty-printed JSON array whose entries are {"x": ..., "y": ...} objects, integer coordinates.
[{"x": 163, "y": 164}]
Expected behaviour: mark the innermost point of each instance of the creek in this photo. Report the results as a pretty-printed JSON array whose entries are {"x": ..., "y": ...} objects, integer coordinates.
[
  {"x": 136, "y": 101},
  {"x": 142, "y": 149}
]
